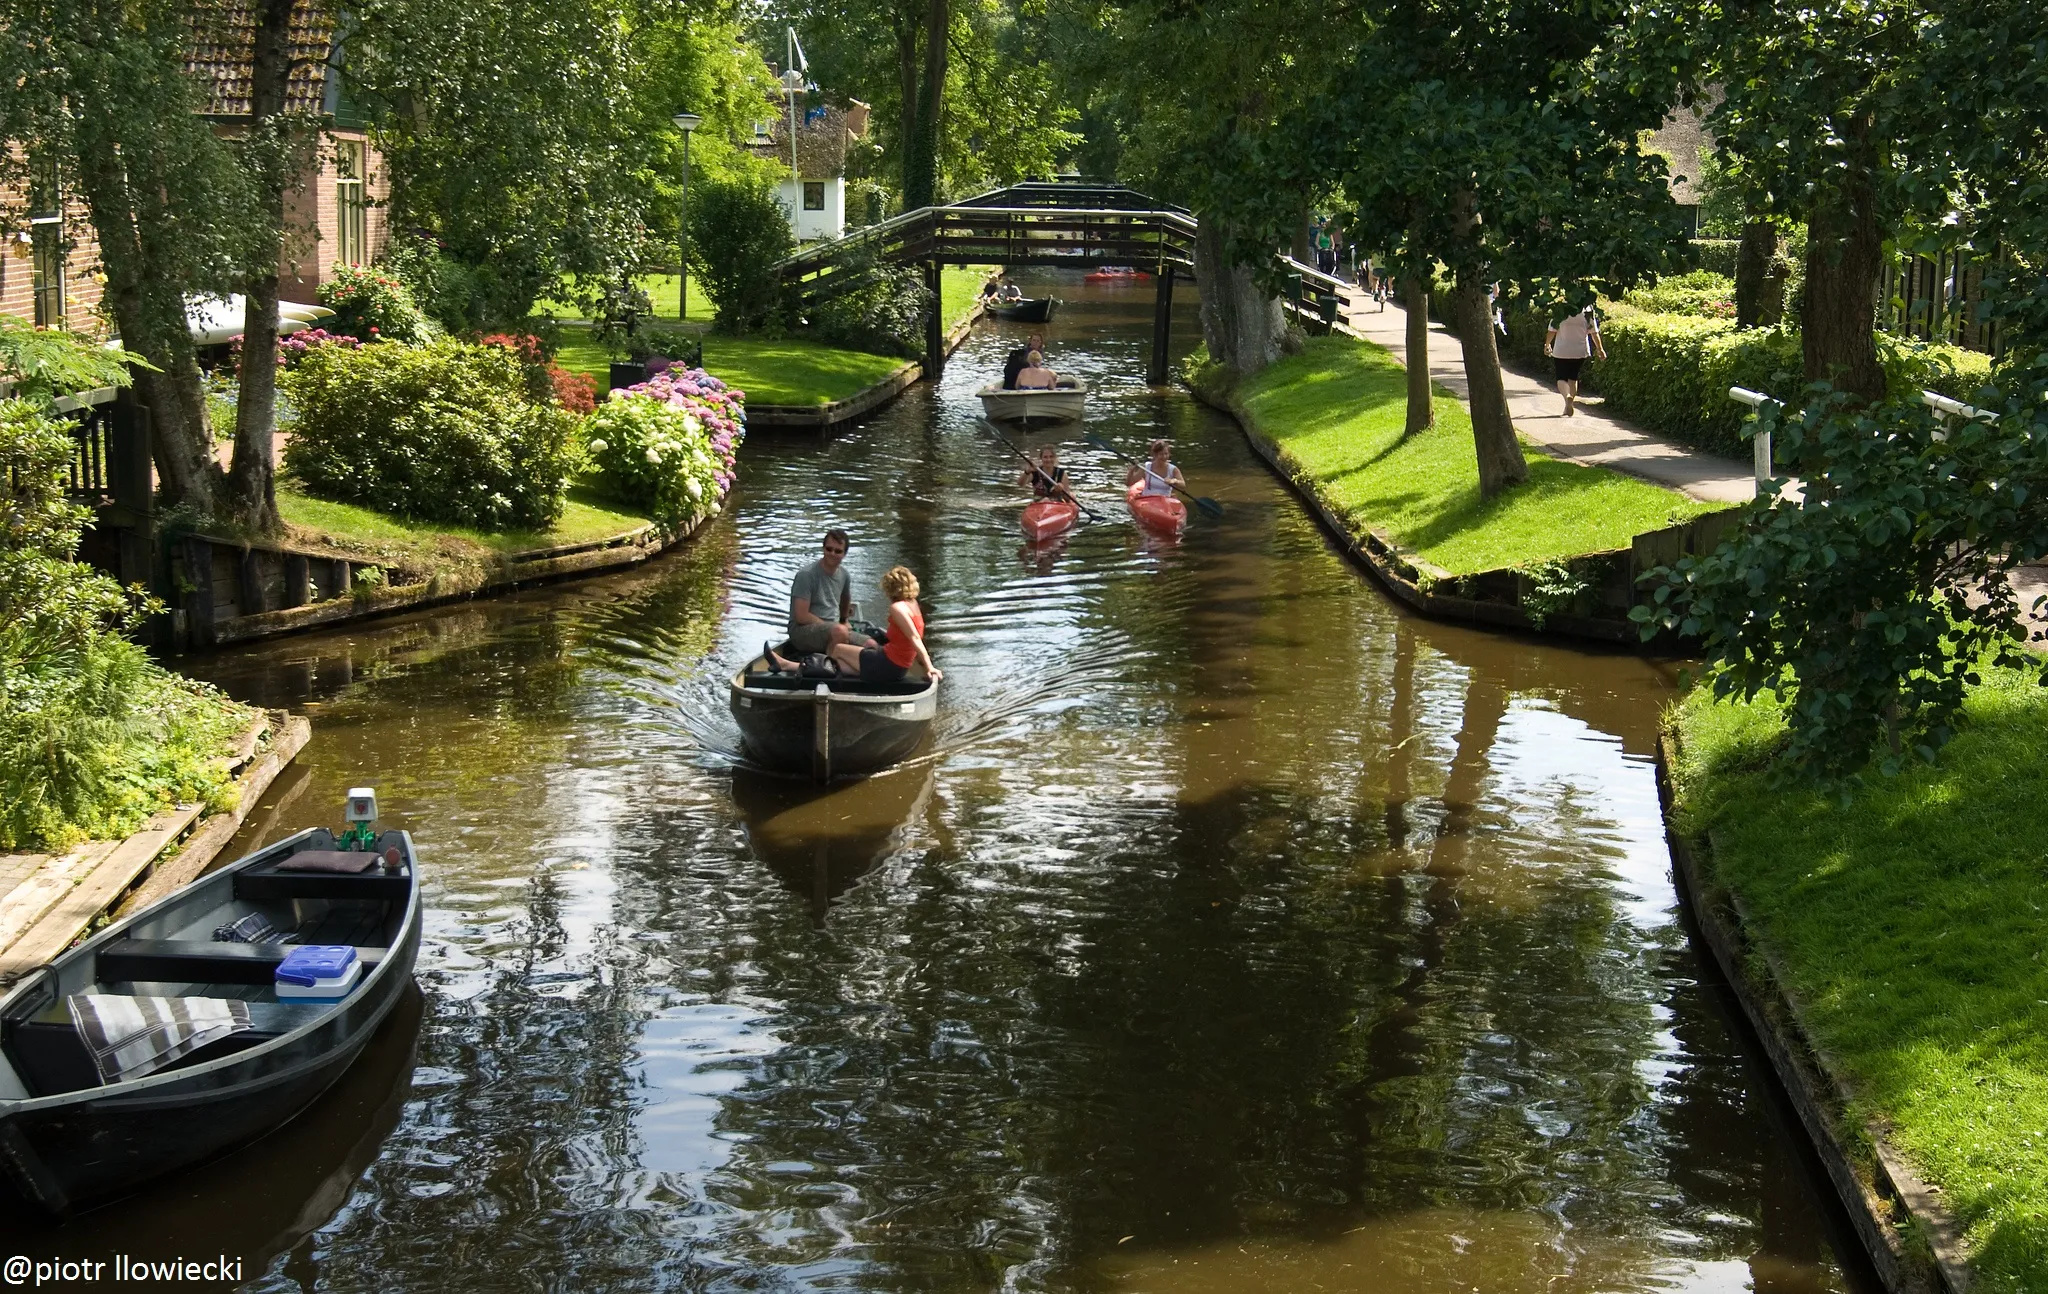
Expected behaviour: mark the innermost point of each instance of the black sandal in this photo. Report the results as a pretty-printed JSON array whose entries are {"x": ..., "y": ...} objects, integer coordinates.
[{"x": 768, "y": 655}]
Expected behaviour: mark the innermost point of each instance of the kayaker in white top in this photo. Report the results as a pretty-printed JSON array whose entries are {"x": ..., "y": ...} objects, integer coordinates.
[{"x": 1159, "y": 475}]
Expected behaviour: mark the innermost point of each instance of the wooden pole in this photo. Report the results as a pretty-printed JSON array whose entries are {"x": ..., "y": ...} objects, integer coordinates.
[
  {"x": 934, "y": 326},
  {"x": 1162, "y": 324}
]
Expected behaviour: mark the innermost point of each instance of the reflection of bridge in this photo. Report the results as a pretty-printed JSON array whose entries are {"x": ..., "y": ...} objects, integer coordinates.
[{"x": 1064, "y": 224}]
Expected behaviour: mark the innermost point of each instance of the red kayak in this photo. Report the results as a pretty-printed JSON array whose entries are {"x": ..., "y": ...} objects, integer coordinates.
[
  {"x": 1048, "y": 519},
  {"x": 1115, "y": 274},
  {"x": 1162, "y": 512}
]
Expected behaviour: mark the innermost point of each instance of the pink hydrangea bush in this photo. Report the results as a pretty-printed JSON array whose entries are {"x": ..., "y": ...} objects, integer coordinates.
[{"x": 669, "y": 445}]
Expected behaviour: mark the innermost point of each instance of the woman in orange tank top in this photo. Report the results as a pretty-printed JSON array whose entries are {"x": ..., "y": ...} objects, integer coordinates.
[{"x": 891, "y": 661}]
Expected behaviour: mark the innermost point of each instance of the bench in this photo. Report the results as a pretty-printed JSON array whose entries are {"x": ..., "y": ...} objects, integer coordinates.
[
  {"x": 199, "y": 961},
  {"x": 268, "y": 884},
  {"x": 51, "y": 1058}
]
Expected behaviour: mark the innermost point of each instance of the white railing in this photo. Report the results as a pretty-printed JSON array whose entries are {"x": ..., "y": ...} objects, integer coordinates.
[{"x": 1761, "y": 442}]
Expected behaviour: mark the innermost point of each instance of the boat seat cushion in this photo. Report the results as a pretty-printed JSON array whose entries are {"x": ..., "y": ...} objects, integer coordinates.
[{"x": 52, "y": 1059}]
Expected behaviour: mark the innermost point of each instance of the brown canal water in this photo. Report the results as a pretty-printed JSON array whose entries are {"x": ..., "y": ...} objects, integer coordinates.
[{"x": 1237, "y": 933}]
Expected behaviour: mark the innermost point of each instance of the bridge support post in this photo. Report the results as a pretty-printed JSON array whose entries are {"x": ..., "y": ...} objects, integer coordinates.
[
  {"x": 934, "y": 326},
  {"x": 1162, "y": 325}
]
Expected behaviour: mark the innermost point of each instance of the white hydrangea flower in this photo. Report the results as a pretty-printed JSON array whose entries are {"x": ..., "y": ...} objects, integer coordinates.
[
  {"x": 653, "y": 454},
  {"x": 598, "y": 446},
  {"x": 691, "y": 425},
  {"x": 696, "y": 491}
]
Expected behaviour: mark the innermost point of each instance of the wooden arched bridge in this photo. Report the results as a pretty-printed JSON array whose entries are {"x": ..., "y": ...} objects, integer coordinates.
[{"x": 1066, "y": 224}]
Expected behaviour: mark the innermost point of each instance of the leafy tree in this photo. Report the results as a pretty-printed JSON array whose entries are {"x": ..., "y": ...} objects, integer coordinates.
[
  {"x": 1870, "y": 608},
  {"x": 737, "y": 234},
  {"x": 1503, "y": 145},
  {"x": 97, "y": 96}
]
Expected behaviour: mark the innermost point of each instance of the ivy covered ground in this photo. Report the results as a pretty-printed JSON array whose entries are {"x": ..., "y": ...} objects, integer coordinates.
[
  {"x": 1337, "y": 411},
  {"x": 1911, "y": 924}
]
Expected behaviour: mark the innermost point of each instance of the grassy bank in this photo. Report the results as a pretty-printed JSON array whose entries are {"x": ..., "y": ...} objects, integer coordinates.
[
  {"x": 1336, "y": 410},
  {"x": 426, "y": 546},
  {"x": 1909, "y": 924},
  {"x": 785, "y": 371}
]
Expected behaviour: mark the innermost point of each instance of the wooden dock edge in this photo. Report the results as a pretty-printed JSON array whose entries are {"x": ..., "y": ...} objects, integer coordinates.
[
  {"x": 824, "y": 417},
  {"x": 134, "y": 872},
  {"x": 542, "y": 566},
  {"x": 1912, "y": 1241}
]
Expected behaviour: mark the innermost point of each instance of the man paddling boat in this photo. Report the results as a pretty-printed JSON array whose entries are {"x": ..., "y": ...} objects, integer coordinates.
[{"x": 1020, "y": 359}]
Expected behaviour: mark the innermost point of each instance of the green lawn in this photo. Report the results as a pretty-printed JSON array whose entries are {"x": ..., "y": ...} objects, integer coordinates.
[
  {"x": 661, "y": 292},
  {"x": 1337, "y": 410},
  {"x": 959, "y": 285},
  {"x": 1910, "y": 925},
  {"x": 425, "y": 544}
]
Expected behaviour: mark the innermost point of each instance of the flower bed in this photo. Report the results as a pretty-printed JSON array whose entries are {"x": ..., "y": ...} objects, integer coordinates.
[{"x": 668, "y": 444}]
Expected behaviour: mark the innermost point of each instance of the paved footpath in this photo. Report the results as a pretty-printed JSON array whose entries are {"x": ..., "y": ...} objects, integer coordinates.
[{"x": 1589, "y": 436}]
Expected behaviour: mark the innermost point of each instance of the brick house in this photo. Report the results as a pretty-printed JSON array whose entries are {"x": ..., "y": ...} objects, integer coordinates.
[{"x": 334, "y": 214}]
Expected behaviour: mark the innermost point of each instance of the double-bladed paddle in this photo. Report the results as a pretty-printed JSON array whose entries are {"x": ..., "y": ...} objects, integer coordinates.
[
  {"x": 1208, "y": 506},
  {"x": 1037, "y": 470}
]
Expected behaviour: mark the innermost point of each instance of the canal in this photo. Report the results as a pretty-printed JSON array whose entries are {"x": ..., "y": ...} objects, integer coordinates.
[{"x": 1238, "y": 932}]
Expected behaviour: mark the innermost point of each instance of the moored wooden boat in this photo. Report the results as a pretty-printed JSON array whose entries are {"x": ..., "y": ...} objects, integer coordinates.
[
  {"x": 1047, "y": 519},
  {"x": 1161, "y": 512},
  {"x": 1025, "y": 310},
  {"x": 217, "y": 1053},
  {"x": 829, "y": 727},
  {"x": 1067, "y": 402}
]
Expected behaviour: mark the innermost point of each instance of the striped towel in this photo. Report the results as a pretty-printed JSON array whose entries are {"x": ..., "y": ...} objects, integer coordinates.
[{"x": 130, "y": 1037}]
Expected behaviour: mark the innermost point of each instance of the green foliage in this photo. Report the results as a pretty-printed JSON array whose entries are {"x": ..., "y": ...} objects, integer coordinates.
[
  {"x": 1703, "y": 294},
  {"x": 885, "y": 313},
  {"x": 1336, "y": 411},
  {"x": 737, "y": 234},
  {"x": 93, "y": 736},
  {"x": 667, "y": 446},
  {"x": 447, "y": 431},
  {"x": 1716, "y": 255},
  {"x": 1550, "y": 588},
  {"x": 43, "y": 363},
  {"x": 1903, "y": 922},
  {"x": 1870, "y": 605},
  {"x": 372, "y": 305}
]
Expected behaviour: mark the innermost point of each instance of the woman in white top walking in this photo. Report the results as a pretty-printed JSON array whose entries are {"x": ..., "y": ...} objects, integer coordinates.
[{"x": 1569, "y": 343}]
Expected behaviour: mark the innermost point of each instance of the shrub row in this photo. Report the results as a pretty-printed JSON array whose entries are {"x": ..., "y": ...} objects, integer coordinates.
[
  {"x": 1670, "y": 373},
  {"x": 487, "y": 435},
  {"x": 1716, "y": 255}
]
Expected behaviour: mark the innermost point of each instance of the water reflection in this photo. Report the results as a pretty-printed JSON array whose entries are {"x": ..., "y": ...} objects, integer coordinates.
[{"x": 1235, "y": 920}]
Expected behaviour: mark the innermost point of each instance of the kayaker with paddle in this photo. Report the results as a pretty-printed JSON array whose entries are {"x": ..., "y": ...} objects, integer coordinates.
[
  {"x": 1159, "y": 475},
  {"x": 1048, "y": 480},
  {"x": 821, "y": 590}
]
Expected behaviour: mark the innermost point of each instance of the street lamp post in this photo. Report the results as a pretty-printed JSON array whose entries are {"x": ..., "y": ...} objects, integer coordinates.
[{"x": 687, "y": 122}]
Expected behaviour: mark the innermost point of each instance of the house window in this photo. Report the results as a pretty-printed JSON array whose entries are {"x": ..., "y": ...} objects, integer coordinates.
[
  {"x": 46, "y": 269},
  {"x": 814, "y": 195},
  {"x": 351, "y": 206}
]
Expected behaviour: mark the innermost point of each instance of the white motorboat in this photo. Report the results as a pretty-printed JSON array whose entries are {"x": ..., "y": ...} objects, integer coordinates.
[{"x": 1067, "y": 402}]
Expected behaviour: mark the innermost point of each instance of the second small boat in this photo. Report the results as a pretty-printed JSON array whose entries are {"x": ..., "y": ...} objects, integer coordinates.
[
  {"x": 1048, "y": 519},
  {"x": 1161, "y": 512},
  {"x": 1067, "y": 402},
  {"x": 1024, "y": 310}
]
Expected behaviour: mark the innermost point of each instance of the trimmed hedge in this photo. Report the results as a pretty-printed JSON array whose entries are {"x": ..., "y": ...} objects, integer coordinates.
[
  {"x": 448, "y": 432},
  {"x": 1716, "y": 255},
  {"x": 1670, "y": 374}
]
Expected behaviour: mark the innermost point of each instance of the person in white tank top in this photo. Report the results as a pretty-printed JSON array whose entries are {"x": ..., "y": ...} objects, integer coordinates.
[
  {"x": 1570, "y": 342},
  {"x": 1159, "y": 475}
]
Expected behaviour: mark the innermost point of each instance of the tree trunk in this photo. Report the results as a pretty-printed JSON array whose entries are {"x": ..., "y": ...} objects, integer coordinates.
[
  {"x": 1421, "y": 405},
  {"x": 1755, "y": 260},
  {"x": 921, "y": 162},
  {"x": 1844, "y": 250},
  {"x": 150, "y": 314},
  {"x": 1241, "y": 324},
  {"x": 1493, "y": 430},
  {"x": 268, "y": 151}
]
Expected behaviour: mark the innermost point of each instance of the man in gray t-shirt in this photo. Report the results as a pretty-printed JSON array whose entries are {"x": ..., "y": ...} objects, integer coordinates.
[{"x": 820, "y": 601}]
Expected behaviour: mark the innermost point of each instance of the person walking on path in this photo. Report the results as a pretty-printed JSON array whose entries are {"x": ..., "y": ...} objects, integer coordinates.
[{"x": 1570, "y": 342}]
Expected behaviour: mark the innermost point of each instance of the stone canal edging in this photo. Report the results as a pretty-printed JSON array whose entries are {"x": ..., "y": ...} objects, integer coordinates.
[
  {"x": 1915, "y": 1244},
  {"x": 1495, "y": 599},
  {"x": 51, "y": 900},
  {"x": 824, "y": 417}
]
